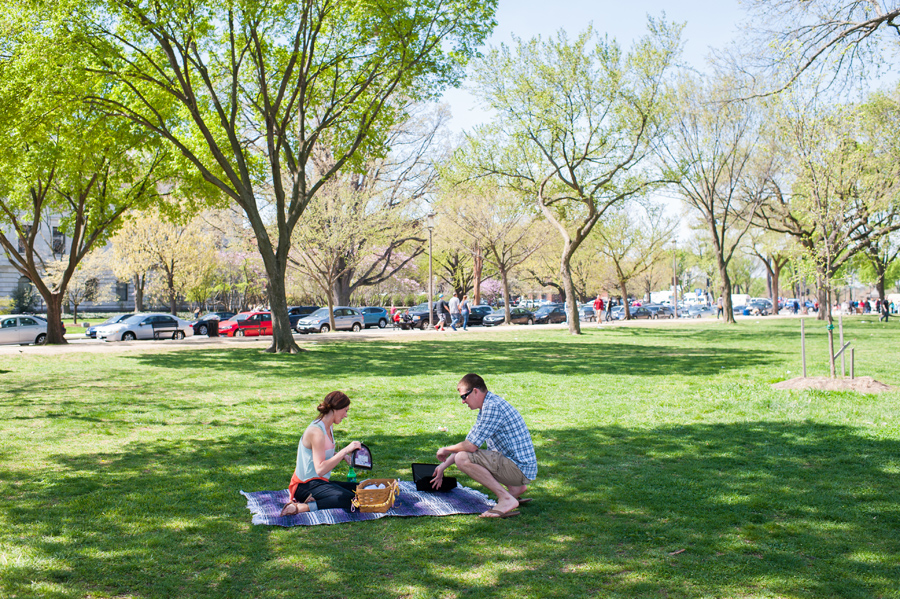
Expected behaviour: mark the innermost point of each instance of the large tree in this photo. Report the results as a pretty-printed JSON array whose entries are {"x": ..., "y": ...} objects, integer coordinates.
[
  {"x": 837, "y": 192},
  {"x": 373, "y": 209},
  {"x": 575, "y": 124},
  {"x": 176, "y": 252},
  {"x": 634, "y": 240},
  {"x": 64, "y": 165},
  {"x": 774, "y": 251},
  {"x": 497, "y": 222},
  {"x": 247, "y": 91},
  {"x": 713, "y": 156}
]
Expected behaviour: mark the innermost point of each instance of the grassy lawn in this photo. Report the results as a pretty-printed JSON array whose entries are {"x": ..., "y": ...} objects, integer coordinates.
[{"x": 668, "y": 468}]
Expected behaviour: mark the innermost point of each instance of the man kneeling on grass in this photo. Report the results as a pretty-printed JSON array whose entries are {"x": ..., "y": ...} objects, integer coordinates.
[{"x": 508, "y": 465}]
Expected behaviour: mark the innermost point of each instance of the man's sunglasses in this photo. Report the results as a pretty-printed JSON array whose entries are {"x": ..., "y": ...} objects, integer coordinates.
[{"x": 466, "y": 395}]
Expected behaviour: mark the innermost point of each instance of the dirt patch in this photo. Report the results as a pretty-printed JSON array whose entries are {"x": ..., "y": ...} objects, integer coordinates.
[{"x": 862, "y": 384}]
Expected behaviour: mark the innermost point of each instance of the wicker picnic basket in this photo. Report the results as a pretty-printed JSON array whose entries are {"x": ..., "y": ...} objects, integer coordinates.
[{"x": 375, "y": 500}]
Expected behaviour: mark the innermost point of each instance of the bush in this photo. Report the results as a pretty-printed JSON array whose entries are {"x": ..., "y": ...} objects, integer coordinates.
[{"x": 23, "y": 299}]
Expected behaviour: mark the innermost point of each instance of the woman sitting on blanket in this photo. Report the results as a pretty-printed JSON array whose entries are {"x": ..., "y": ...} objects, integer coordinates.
[{"x": 310, "y": 489}]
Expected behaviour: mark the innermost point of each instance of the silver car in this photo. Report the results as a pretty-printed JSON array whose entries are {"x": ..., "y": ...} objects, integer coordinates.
[
  {"x": 345, "y": 318},
  {"x": 146, "y": 326},
  {"x": 22, "y": 330}
]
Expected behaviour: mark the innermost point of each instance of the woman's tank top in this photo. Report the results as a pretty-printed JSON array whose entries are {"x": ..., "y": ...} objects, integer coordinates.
[{"x": 305, "y": 468}]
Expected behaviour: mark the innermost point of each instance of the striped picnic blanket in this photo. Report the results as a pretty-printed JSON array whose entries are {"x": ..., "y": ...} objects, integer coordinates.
[{"x": 266, "y": 505}]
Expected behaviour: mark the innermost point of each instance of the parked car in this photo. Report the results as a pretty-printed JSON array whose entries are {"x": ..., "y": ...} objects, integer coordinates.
[
  {"x": 92, "y": 330},
  {"x": 586, "y": 312},
  {"x": 247, "y": 324},
  {"x": 758, "y": 307},
  {"x": 146, "y": 326},
  {"x": 295, "y": 313},
  {"x": 660, "y": 311},
  {"x": 697, "y": 311},
  {"x": 550, "y": 314},
  {"x": 374, "y": 316},
  {"x": 764, "y": 301},
  {"x": 518, "y": 316},
  {"x": 641, "y": 312},
  {"x": 477, "y": 314},
  {"x": 23, "y": 330},
  {"x": 417, "y": 317},
  {"x": 345, "y": 318},
  {"x": 201, "y": 325}
]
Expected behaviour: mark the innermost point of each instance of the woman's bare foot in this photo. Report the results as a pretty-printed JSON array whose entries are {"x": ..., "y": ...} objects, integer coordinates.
[{"x": 295, "y": 507}]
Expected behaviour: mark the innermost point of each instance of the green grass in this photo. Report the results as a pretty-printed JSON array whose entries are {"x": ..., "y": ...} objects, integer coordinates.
[{"x": 668, "y": 468}]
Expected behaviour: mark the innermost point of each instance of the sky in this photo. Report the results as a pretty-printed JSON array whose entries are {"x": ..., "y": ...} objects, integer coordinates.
[{"x": 709, "y": 23}]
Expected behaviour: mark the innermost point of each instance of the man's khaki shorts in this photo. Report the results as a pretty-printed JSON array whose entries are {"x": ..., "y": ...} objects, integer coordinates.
[{"x": 501, "y": 468}]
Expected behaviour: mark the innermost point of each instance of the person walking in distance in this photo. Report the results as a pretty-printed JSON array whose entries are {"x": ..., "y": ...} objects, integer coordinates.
[
  {"x": 454, "y": 311},
  {"x": 598, "y": 309},
  {"x": 464, "y": 312},
  {"x": 440, "y": 309},
  {"x": 720, "y": 308}
]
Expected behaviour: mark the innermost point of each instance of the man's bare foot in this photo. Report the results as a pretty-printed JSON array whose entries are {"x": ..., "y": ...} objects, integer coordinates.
[
  {"x": 503, "y": 506},
  {"x": 495, "y": 513}
]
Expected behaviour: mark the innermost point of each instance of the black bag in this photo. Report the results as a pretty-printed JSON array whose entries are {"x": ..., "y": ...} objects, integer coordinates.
[{"x": 422, "y": 475}]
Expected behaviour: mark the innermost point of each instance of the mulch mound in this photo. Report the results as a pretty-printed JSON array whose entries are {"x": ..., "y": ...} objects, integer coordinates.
[{"x": 862, "y": 384}]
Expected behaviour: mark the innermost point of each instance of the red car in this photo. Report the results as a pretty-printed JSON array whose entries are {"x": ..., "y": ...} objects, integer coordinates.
[{"x": 247, "y": 324}]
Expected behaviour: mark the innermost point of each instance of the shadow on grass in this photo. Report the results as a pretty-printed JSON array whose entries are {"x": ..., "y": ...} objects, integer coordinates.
[
  {"x": 505, "y": 355},
  {"x": 749, "y": 509}
]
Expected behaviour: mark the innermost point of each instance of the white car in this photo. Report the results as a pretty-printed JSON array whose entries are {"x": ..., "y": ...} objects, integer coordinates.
[
  {"x": 146, "y": 326},
  {"x": 22, "y": 330},
  {"x": 344, "y": 318}
]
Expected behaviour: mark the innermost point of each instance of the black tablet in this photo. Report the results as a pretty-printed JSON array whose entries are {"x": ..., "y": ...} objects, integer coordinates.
[
  {"x": 422, "y": 475},
  {"x": 361, "y": 458}
]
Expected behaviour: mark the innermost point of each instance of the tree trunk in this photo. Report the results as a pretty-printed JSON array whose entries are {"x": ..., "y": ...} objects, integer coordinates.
[
  {"x": 54, "y": 319},
  {"x": 74, "y": 313},
  {"x": 822, "y": 296},
  {"x": 504, "y": 280},
  {"x": 477, "y": 269},
  {"x": 727, "y": 307},
  {"x": 626, "y": 307},
  {"x": 276, "y": 267},
  {"x": 138, "y": 293},
  {"x": 173, "y": 296},
  {"x": 571, "y": 305},
  {"x": 341, "y": 285},
  {"x": 282, "y": 334},
  {"x": 776, "y": 277},
  {"x": 879, "y": 286}
]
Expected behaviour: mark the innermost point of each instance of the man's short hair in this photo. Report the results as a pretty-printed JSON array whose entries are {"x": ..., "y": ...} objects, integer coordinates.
[{"x": 473, "y": 381}]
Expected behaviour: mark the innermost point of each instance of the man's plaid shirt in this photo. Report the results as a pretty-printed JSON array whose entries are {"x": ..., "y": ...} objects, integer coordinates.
[{"x": 503, "y": 428}]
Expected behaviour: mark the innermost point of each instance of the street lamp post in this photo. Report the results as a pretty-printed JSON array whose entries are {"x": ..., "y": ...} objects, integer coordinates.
[
  {"x": 429, "y": 222},
  {"x": 675, "y": 278}
]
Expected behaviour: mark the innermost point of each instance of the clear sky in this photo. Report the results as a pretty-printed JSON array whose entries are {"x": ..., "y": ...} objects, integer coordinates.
[{"x": 709, "y": 23}]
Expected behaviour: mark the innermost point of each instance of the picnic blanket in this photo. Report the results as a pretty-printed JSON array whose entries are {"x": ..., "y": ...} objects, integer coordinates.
[{"x": 266, "y": 505}]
